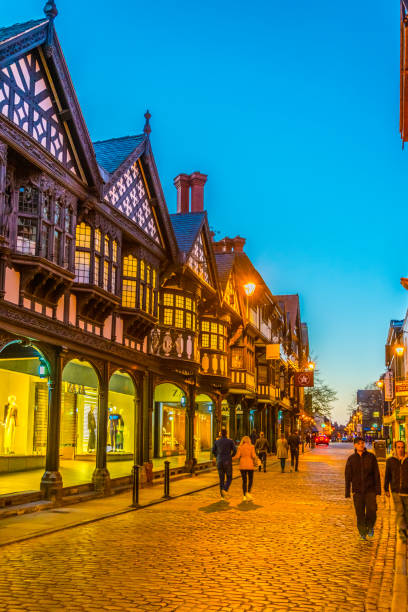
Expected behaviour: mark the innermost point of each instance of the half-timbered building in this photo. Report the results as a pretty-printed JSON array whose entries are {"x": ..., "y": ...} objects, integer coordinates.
[{"x": 126, "y": 333}]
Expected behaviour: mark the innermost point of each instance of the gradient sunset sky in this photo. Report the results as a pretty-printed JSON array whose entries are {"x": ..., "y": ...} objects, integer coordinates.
[{"x": 292, "y": 109}]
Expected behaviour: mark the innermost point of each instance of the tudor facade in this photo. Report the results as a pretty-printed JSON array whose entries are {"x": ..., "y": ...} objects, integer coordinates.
[{"x": 125, "y": 332}]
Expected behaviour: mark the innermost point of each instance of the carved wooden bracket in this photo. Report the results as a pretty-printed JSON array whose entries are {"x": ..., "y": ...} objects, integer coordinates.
[
  {"x": 41, "y": 279},
  {"x": 94, "y": 303}
]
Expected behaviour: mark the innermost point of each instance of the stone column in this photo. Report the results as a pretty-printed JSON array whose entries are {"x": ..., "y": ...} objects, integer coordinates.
[
  {"x": 139, "y": 421},
  {"x": 101, "y": 478},
  {"x": 51, "y": 482},
  {"x": 190, "y": 416},
  {"x": 218, "y": 414}
]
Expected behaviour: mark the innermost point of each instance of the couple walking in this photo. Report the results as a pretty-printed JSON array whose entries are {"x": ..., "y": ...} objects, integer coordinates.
[
  {"x": 224, "y": 449},
  {"x": 282, "y": 450},
  {"x": 363, "y": 476}
]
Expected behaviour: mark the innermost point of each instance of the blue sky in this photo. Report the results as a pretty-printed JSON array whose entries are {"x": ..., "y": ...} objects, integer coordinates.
[{"x": 292, "y": 109}]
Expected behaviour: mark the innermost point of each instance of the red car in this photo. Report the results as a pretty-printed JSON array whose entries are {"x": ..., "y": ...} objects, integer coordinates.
[{"x": 322, "y": 439}]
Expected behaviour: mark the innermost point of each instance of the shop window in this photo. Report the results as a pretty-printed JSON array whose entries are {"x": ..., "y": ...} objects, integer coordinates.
[
  {"x": 44, "y": 226},
  {"x": 178, "y": 311}
]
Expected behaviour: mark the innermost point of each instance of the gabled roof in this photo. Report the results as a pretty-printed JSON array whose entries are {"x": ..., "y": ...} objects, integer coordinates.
[
  {"x": 186, "y": 229},
  {"x": 110, "y": 154},
  {"x": 225, "y": 263},
  {"x": 291, "y": 305},
  {"x": 17, "y": 29}
]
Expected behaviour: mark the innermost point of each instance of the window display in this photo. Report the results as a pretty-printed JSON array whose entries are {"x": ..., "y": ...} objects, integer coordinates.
[
  {"x": 203, "y": 427},
  {"x": 24, "y": 401},
  {"x": 173, "y": 428},
  {"x": 121, "y": 417}
]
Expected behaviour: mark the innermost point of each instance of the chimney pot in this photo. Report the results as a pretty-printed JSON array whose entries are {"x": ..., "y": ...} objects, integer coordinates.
[
  {"x": 182, "y": 184},
  {"x": 197, "y": 182},
  {"x": 238, "y": 244}
]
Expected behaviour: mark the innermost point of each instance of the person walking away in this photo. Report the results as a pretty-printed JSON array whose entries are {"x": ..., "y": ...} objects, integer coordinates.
[
  {"x": 247, "y": 462},
  {"x": 363, "y": 476},
  {"x": 282, "y": 451},
  {"x": 261, "y": 449},
  {"x": 254, "y": 436},
  {"x": 294, "y": 443},
  {"x": 308, "y": 440},
  {"x": 224, "y": 449},
  {"x": 396, "y": 475}
]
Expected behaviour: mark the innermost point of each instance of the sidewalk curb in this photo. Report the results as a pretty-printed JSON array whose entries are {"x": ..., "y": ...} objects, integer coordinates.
[{"x": 399, "y": 588}]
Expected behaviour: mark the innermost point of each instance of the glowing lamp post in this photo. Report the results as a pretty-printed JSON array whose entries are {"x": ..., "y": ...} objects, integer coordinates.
[{"x": 249, "y": 289}]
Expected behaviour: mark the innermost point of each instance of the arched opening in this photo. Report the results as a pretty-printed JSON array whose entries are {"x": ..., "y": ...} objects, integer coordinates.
[
  {"x": 24, "y": 394},
  {"x": 121, "y": 439},
  {"x": 203, "y": 425},
  {"x": 79, "y": 422},
  {"x": 169, "y": 421}
]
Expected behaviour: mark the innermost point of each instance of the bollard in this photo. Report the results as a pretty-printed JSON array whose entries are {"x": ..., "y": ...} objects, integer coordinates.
[
  {"x": 135, "y": 490},
  {"x": 166, "y": 479}
]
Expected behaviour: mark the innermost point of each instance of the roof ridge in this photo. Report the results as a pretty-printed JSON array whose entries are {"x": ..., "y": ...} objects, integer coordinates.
[{"x": 118, "y": 138}]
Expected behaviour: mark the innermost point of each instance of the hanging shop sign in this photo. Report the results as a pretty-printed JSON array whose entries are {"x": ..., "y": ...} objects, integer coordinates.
[
  {"x": 304, "y": 379},
  {"x": 388, "y": 387},
  {"x": 401, "y": 388},
  {"x": 273, "y": 351}
]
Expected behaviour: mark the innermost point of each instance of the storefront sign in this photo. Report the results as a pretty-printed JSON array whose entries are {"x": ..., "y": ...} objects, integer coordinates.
[
  {"x": 273, "y": 351},
  {"x": 388, "y": 387},
  {"x": 304, "y": 379},
  {"x": 73, "y": 388},
  {"x": 401, "y": 388}
]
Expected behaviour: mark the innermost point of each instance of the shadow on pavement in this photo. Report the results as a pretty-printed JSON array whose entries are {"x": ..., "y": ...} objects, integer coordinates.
[
  {"x": 219, "y": 506},
  {"x": 247, "y": 506}
]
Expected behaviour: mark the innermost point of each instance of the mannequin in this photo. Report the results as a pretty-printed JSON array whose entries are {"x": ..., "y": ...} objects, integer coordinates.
[
  {"x": 113, "y": 423},
  {"x": 91, "y": 430},
  {"x": 10, "y": 423}
]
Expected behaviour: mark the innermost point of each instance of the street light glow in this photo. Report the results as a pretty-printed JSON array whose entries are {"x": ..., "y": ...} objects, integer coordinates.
[
  {"x": 399, "y": 350},
  {"x": 311, "y": 365},
  {"x": 249, "y": 289}
]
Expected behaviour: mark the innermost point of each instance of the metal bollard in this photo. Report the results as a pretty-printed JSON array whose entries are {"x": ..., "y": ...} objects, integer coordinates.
[
  {"x": 166, "y": 479},
  {"x": 135, "y": 490}
]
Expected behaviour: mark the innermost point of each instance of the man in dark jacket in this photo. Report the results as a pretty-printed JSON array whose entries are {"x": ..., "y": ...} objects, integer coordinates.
[
  {"x": 294, "y": 443},
  {"x": 396, "y": 475},
  {"x": 262, "y": 448},
  {"x": 224, "y": 449},
  {"x": 363, "y": 475}
]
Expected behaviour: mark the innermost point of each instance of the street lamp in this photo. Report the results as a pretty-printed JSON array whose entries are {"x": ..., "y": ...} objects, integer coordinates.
[
  {"x": 399, "y": 350},
  {"x": 311, "y": 365},
  {"x": 249, "y": 289}
]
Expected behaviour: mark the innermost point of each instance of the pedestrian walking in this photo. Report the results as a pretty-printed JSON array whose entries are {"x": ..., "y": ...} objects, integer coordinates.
[
  {"x": 247, "y": 463},
  {"x": 282, "y": 451},
  {"x": 308, "y": 440},
  {"x": 224, "y": 449},
  {"x": 363, "y": 475},
  {"x": 254, "y": 436},
  {"x": 261, "y": 449},
  {"x": 396, "y": 475},
  {"x": 294, "y": 443}
]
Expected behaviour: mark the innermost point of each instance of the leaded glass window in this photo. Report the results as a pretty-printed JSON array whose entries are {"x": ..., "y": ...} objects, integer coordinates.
[
  {"x": 178, "y": 311},
  {"x": 213, "y": 335}
]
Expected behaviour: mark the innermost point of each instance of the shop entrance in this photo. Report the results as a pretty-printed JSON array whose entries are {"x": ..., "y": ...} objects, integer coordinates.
[
  {"x": 79, "y": 422},
  {"x": 169, "y": 421},
  {"x": 23, "y": 414},
  {"x": 203, "y": 424},
  {"x": 120, "y": 446}
]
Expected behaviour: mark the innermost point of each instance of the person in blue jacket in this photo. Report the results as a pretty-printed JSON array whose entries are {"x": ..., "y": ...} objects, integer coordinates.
[{"x": 224, "y": 449}]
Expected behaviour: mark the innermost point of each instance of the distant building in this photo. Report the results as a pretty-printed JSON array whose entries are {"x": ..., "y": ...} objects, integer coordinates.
[{"x": 370, "y": 404}]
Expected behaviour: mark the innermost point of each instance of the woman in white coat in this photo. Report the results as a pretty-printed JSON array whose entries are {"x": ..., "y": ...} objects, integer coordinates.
[{"x": 282, "y": 451}]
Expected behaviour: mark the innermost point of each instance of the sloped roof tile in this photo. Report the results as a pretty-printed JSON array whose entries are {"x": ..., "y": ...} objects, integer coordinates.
[
  {"x": 19, "y": 28},
  {"x": 110, "y": 154},
  {"x": 186, "y": 227}
]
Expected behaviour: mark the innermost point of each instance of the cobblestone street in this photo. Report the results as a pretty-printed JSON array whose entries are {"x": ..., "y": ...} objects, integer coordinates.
[{"x": 295, "y": 547}]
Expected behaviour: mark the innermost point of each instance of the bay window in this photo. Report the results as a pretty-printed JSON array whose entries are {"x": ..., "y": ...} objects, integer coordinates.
[
  {"x": 178, "y": 311},
  {"x": 95, "y": 258},
  {"x": 139, "y": 285}
]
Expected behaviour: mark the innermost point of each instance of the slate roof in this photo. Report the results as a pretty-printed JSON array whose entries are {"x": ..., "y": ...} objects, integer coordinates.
[
  {"x": 186, "y": 227},
  {"x": 19, "y": 28},
  {"x": 291, "y": 304},
  {"x": 225, "y": 263},
  {"x": 110, "y": 154}
]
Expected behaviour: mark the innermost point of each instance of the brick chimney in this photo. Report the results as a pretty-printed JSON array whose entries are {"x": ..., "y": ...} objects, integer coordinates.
[
  {"x": 238, "y": 244},
  {"x": 197, "y": 182},
  {"x": 182, "y": 184}
]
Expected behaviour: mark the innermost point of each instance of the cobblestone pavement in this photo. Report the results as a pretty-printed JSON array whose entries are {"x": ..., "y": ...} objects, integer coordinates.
[{"x": 295, "y": 547}]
